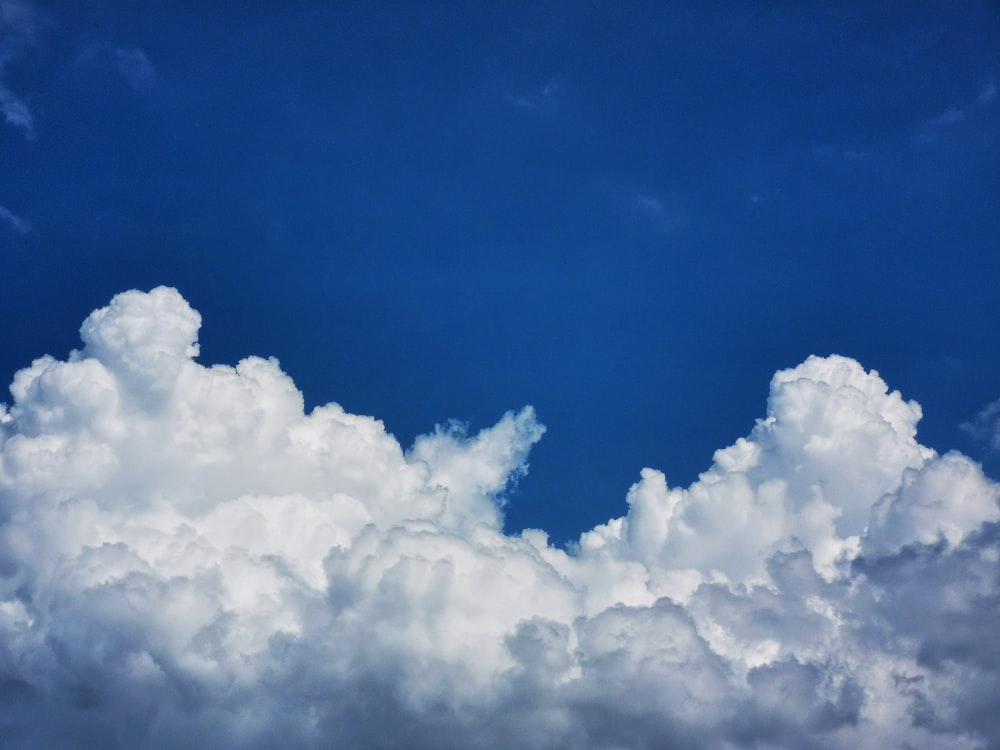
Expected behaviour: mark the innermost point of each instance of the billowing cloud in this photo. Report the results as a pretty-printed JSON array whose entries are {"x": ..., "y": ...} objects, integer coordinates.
[{"x": 188, "y": 559}]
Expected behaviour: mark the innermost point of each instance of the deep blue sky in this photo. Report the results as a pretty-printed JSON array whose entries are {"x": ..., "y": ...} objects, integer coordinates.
[{"x": 628, "y": 216}]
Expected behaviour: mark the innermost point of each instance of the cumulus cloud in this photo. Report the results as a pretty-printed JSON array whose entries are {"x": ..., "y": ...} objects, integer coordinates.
[{"x": 188, "y": 559}]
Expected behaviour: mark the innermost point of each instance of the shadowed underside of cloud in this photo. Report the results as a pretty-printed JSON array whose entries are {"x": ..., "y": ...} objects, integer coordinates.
[{"x": 187, "y": 559}]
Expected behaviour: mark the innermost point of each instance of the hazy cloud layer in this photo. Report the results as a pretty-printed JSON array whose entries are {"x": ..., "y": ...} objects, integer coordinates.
[{"x": 189, "y": 560}]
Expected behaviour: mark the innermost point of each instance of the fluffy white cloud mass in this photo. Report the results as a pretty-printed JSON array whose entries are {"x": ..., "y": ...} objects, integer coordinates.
[{"x": 187, "y": 559}]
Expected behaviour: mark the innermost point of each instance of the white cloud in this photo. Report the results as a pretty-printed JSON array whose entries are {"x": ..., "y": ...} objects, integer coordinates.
[
  {"x": 19, "y": 225},
  {"x": 189, "y": 559}
]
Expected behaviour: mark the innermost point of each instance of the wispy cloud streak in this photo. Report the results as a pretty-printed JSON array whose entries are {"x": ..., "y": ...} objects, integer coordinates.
[{"x": 15, "y": 222}]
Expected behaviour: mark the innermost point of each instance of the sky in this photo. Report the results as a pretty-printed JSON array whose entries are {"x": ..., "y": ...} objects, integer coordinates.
[{"x": 486, "y": 375}]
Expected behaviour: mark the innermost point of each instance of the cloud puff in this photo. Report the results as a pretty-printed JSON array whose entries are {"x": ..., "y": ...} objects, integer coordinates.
[{"x": 188, "y": 559}]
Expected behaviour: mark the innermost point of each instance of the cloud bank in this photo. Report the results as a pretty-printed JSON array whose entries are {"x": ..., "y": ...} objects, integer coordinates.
[{"x": 187, "y": 559}]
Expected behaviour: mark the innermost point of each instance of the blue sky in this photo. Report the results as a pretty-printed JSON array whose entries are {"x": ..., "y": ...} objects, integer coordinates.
[
  {"x": 615, "y": 278},
  {"x": 627, "y": 217}
]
